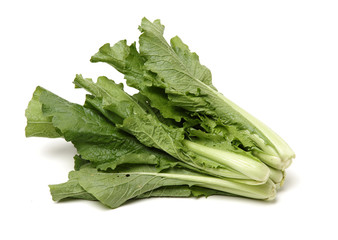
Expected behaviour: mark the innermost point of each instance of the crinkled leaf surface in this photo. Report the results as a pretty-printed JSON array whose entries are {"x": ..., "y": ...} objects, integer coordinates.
[
  {"x": 73, "y": 189},
  {"x": 95, "y": 138},
  {"x": 131, "y": 64},
  {"x": 114, "y": 189}
]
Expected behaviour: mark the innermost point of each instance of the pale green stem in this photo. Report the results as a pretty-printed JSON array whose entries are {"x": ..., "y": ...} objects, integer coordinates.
[
  {"x": 266, "y": 191},
  {"x": 249, "y": 167}
]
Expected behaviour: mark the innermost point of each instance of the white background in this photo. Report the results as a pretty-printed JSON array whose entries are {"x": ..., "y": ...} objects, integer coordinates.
[{"x": 276, "y": 59}]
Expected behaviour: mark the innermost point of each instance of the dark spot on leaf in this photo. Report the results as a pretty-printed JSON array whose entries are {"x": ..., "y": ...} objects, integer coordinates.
[{"x": 127, "y": 175}]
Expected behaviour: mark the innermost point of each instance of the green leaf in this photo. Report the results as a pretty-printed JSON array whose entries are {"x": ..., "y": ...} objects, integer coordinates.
[
  {"x": 70, "y": 189},
  {"x": 136, "y": 120},
  {"x": 131, "y": 64},
  {"x": 182, "y": 191},
  {"x": 75, "y": 122},
  {"x": 39, "y": 125},
  {"x": 188, "y": 87},
  {"x": 185, "y": 80},
  {"x": 115, "y": 56},
  {"x": 96, "y": 139},
  {"x": 152, "y": 133},
  {"x": 114, "y": 189},
  {"x": 79, "y": 162},
  {"x": 73, "y": 190},
  {"x": 146, "y": 127},
  {"x": 109, "y": 156},
  {"x": 191, "y": 60},
  {"x": 175, "y": 64},
  {"x": 168, "y": 191},
  {"x": 112, "y": 95},
  {"x": 95, "y": 104}
]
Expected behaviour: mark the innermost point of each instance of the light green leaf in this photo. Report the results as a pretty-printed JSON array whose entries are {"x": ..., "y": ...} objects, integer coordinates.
[
  {"x": 189, "y": 89},
  {"x": 131, "y": 64},
  {"x": 39, "y": 125},
  {"x": 73, "y": 190},
  {"x": 95, "y": 138},
  {"x": 152, "y": 133},
  {"x": 144, "y": 125},
  {"x": 112, "y": 95},
  {"x": 141, "y": 123},
  {"x": 182, "y": 191},
  {"x": 113, "y": 189},
  {"x": 70, "y": 189},
  {"x": 75, "y": 122}
]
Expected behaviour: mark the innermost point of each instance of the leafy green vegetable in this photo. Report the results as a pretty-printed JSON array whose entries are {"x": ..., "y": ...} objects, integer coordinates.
[
  {"x": 177, "y": 137},
  {"x": 145, "y": 126},
  {"x": 73, "y": 189},
  {"x": 187, "y": 84},
  {"x": 113, "y": 189},
  {"x": 94, "y": 137}
]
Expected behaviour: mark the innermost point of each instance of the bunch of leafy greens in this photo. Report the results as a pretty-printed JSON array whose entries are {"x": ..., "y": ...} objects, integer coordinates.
[{"x": 177, "y": 137}]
